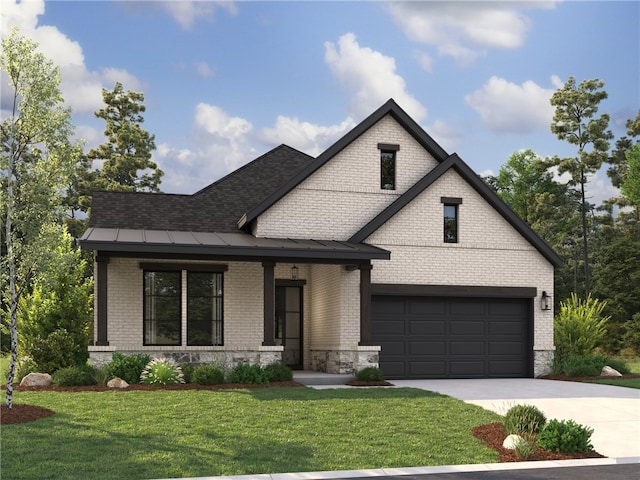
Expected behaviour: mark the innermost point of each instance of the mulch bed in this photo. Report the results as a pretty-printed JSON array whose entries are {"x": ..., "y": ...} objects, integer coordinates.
[{"x": 494, "y": 434}]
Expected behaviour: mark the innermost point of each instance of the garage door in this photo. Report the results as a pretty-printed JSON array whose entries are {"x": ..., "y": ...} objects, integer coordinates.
[{"x": 427, "y": 337}]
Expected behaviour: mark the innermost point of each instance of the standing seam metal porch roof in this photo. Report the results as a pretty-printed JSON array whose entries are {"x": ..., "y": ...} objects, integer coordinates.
[{"x": 142, "y": 241}]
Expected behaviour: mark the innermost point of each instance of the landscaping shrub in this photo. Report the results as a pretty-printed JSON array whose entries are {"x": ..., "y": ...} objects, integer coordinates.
[
  {"x": 207, "y": 375},
  {"x": 75, "y": 376},
  {"x": 632, "y": 334},
  {"x": 278, "y": 372},
  {"x": 53, "y": 352},
  {"x": 579, "y": 326},
  {"x": 565, "y": 436},
  {"x": 162, "y": 372},
  {"x": 590, "y": 366},
  {"x": 527, "y": 447},
  {"x": 24, "y": 367},
  {"x": 101, "y": 374},
  {"x": 370, "y": 374},
  {"x": 521, "y": 419},
  {"x": 128, "y": 367},
  {"x": 248, "y": 374},
  {"x": 187, "y": 371}
]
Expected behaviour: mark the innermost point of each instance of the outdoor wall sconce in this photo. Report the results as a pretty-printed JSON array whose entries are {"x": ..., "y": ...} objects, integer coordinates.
[
  {"x": 294, "y": 273},
  {"x": 545, "y": 301}
]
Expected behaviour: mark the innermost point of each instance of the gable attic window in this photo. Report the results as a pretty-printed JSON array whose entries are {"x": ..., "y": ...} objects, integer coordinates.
[
  {"x": 388, "y": 165},
  {"x": 450, "y": 216}
]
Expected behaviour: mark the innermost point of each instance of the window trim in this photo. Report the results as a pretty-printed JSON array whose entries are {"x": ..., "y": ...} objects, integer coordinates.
[
  {"x": 392, "y": 159},
  {"x": 451, "y": 202},
  {"x": 144, "y": 310},
  {"x": 183, "y": 296}
]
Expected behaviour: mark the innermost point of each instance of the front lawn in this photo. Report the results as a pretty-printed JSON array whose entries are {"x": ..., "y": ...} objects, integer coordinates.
[
  {"x": 159, "y": 434},
  {"x": 623, "y": 382}
]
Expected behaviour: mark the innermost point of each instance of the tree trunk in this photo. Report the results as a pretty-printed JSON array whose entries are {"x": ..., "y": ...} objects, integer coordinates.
[
  {"x": 587, "y": 286},
  {"x": 12, "y": 282}
]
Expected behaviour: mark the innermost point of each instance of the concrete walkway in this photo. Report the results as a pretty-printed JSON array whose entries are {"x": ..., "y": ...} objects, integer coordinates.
[{"x": 612, "y": 412}]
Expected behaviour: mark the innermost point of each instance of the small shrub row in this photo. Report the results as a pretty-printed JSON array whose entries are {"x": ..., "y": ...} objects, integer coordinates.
[
  {"x": 554, "y": 436},
  {"x": 589, "y": 366},
  {"x": 370, "y": 374}
]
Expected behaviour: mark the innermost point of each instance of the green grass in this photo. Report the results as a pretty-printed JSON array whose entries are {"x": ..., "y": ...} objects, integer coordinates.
[
  {"x": 625, "y": 382},
  {"x": 158, "y": 434}
]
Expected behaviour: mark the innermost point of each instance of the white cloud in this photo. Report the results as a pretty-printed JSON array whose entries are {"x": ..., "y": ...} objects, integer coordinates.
[
  {"x": 424, "y": 60},
  {"x": 204, "y": 70},
  {"x": 186, "y": 13},
  {"x": 464, "y": 30},
  {"x": 447, "y": 136},
  {"x": 307, "y": 137},
  {"x": 369, "y": 77},
  {"x": 81, "y": 88},
  {"x": 507, "y": 107}
]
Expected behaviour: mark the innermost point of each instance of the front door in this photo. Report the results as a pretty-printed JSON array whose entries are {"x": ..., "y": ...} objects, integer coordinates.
[{"x": 288, "y": 327}]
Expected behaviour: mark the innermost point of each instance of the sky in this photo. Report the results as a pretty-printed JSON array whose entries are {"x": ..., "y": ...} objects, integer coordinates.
[{"x": 225, "y": 82}]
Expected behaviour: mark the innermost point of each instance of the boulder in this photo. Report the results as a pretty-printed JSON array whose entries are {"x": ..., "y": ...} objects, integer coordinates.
[
  {"x": 512, "y": 441},
  {"x": 36, "y": 380},
  {"x": 117, "y": 383},
  {"x": 608, "y": 371}
]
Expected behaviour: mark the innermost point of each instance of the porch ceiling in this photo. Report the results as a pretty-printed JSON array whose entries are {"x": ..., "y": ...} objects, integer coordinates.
[{"x": 237, "y": 245}]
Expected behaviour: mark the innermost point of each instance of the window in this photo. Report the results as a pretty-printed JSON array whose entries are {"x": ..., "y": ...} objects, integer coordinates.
[
  {"x": 204, "y": 308},
  {"x": 387, "y": 170},
  {"x": 166, "y": 317},
  {"x": 388, "y": 165},
  {"x": 162, "y": 308},
  {"x": 450, "y": 212}
]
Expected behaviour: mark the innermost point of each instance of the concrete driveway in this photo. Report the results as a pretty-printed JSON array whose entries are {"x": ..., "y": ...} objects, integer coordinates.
[{"x": 612, "y": 412}]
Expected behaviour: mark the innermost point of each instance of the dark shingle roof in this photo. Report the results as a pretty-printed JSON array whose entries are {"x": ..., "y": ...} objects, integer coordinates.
[{"x": 215, "y": 208}]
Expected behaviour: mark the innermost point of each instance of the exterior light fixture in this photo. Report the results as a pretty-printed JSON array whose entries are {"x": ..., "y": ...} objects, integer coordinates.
[
  {"x": 545, "y": 301},
  {"x": 294, "y": 273}
]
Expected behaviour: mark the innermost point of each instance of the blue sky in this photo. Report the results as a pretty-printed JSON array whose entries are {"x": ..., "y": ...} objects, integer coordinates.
[{"x": 225, "y": 82}]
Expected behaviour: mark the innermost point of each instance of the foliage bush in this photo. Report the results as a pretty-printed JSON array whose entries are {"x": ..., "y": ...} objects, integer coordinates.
[
  {"x": 527, "y": 447},
  {"x": 207, "y": 375},
  {"x": 632, "y": 334},
  {"x": 370, "y": 374},
  {"x": 589, "y": 366},
  {"x": 187, "y": 371},
  {"x": 521, "y": 419},
  {"x": 53, "y": 352},
  {"x": 128, "y": 367},
  {"x": 24, "y": 367},
  {"x": 278, "y": 372},
  {"x": 248, "y": 374},
  {"x": 75, "y": 376},
  {"x": 161, "y": 371},
  {"x": 565, "y": 436},
  {"x": 579, "y": 326}
]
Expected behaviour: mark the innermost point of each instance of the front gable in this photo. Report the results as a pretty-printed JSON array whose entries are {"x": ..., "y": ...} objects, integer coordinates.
[{"x": 345, "y": 192}]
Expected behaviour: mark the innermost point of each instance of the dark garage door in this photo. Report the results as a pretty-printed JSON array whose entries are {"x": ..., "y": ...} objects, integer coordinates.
[{"x": 440, "y": 337}]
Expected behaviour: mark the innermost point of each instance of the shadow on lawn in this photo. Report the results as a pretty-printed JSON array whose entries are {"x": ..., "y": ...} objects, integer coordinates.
[
  {"x": 308, "y": 393},
  {"x": 108, "y": 453}
]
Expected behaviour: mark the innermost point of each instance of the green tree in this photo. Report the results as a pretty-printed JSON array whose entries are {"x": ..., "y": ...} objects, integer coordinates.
[
  {"x": 61, "y": 298},
  {"x": 126, "y": 156},
  {"x": 630, "y": 187},
  {"x": 575, "y": 121},
  {"x": 37, "y": 158}
]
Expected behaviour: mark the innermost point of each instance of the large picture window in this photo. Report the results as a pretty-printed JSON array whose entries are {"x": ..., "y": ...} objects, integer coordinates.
[
  {"x": 204, "y": 308},
  {"x": 162, "y": 308}
]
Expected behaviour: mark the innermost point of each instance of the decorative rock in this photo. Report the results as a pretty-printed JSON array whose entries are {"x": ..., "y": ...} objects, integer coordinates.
[
  {"x": 608, "y": 371},
  {"x": 117, "y": 383},
  {"x": 512, "y": 441},
  {"x": 36, "y": 380}
]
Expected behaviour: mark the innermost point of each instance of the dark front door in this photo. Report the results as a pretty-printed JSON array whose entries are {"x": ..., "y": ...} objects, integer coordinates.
[{"x": 288, "y": 327}]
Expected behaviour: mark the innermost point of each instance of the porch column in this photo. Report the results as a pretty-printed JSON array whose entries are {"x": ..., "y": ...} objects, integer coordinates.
[
  {"x": 102, "y": 263},
  {"x": 269, "y": 304},
  {"x": 365, "y": 304}
]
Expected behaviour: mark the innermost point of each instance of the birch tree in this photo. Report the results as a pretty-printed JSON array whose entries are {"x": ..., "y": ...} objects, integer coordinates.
[{"x": 36, "y": 158}]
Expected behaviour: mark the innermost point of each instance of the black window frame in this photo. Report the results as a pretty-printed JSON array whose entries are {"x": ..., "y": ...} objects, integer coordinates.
[
  {"x": 388, "y": 161},
  {"x": 145, "y": 307},
  {"x": 217, "y": 325},
  {"x": 451, "y": 223}
]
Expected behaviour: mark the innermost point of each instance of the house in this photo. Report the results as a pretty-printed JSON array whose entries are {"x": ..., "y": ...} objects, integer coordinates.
[{"x": 383, "y": 251}]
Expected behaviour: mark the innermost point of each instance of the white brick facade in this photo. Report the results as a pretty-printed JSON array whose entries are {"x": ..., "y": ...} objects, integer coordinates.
[{"x": 334, "y": 203}]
